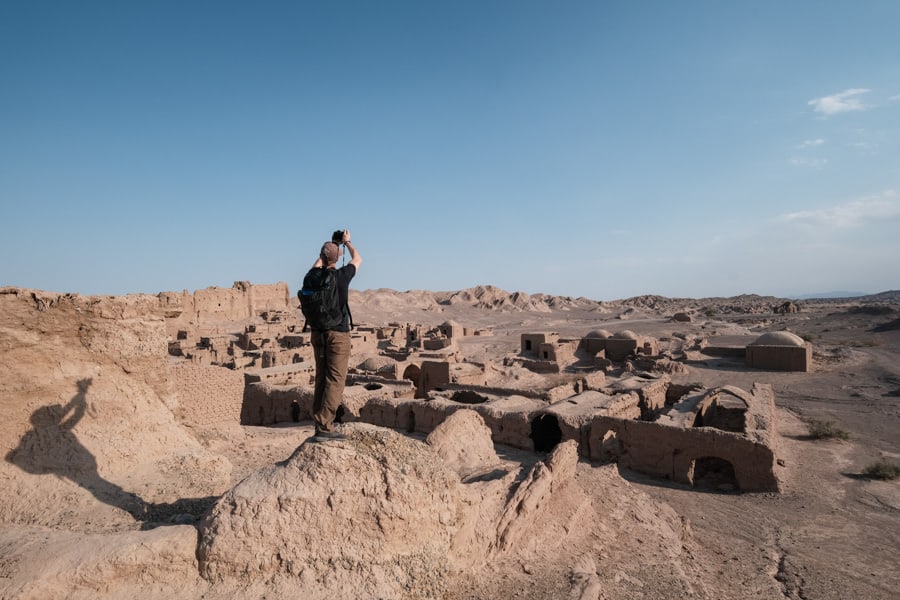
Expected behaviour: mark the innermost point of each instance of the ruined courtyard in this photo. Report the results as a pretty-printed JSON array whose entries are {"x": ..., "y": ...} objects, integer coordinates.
[{"x": 500, "y": 445}]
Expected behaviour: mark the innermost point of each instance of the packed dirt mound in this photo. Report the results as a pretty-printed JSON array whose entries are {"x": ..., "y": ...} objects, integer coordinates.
[
  {"x": 374, "y": 514},
  {"x": 38, "y": 563},
  {"x": 386, "y": 516},
  {"x": 379, "y": 513},
  {"x": 462, "y": 444}
]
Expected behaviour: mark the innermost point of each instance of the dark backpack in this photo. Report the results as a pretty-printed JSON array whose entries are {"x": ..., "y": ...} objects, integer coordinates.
[{"x": 320, "y": 300}]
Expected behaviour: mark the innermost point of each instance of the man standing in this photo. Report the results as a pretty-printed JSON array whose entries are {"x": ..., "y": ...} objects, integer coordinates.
[{"x": 332, "y": 345}]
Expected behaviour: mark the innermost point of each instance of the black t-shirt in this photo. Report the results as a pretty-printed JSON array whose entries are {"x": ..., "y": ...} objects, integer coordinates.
[{"x": 344, "y": 275}]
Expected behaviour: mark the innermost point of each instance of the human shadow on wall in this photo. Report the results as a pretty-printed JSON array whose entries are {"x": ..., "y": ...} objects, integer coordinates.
[{"x": 50, "y": 447}]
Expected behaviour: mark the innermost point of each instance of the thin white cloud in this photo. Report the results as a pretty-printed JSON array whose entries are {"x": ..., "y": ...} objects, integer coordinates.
[
  {"x": 894, "y": 98},
  {"x": 809, "y": 163},
  {"x": 811, "y": 143},
  {"x": 852, "y": 214},
  {"x": 845, "y": 101}
]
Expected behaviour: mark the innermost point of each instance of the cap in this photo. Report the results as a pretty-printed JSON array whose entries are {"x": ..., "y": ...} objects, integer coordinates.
[{"x": 329, "y": 252}]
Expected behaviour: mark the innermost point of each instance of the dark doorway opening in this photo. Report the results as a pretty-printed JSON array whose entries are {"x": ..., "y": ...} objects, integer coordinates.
[
  {"x": 545, "y": 433},
  {"x": 716, "y": 473},
  {"x": 414, "y": 374}
]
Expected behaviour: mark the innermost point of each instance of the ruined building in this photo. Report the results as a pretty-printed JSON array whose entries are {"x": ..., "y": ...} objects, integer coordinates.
[
  {"x": 610, "y": 392},
  {"x": 779, "y": 351}
]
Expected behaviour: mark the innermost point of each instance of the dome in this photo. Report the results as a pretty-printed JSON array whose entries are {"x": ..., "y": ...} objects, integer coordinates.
[
  {"x": 779, "y": 338},
  {"x": 375, "y": 364},
  {"x": 599, "y": 333},
  {"x": 627, "y": 334}
]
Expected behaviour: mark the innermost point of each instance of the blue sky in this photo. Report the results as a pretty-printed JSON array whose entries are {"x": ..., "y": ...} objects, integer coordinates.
[{"x": 598, "y": 149}]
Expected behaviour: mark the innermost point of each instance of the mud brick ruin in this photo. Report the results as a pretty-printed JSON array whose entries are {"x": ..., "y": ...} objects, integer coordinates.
[
  {"x": 611, "y": 392},
  {"x": 779, "y": 351}
]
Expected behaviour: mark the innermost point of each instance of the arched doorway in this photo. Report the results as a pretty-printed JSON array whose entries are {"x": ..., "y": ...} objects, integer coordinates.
[
  {"x": 413, "y": 373},
  {"x": 712, "y": 472}
]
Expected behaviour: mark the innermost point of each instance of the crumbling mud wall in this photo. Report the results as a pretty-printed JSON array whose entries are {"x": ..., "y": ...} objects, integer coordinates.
[
  {"x": 779, "y": 358},
  {"x": 571, "y": 420},
  {"x": 742, "y": 460},
  {"x": 376, "y": 402},
  {"x": 507, "y": 418},
  {"x": 779, "y": 351},
  {"x": 672, "y": 452},
  {"x": 215, "y": 304},
  {"x": 206, "y": 395},
  {"x": 266, "y": 404}
]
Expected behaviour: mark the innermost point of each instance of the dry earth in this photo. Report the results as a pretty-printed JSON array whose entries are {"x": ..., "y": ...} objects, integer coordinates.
[{"x": 101, "y": 487}]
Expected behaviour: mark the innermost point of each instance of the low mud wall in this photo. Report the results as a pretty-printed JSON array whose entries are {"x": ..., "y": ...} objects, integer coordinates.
[{"x": 672, "y": 452}]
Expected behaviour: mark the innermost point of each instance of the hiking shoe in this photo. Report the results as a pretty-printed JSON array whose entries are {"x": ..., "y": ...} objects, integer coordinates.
[{"x": 324, "y": 436}]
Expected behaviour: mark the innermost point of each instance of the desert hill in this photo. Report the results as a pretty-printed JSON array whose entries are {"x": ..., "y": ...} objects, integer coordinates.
[
  {"x": 494, "y": 298},
  {"x": 387, "y": 304},
  {"x": 485, "y": 297}
]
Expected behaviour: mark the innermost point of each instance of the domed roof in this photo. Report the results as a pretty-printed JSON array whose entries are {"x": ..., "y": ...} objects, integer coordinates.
[
  {"x": 374, "y": 364},
  {"x": 598, "y": 333},
  {"x": 778, "y": 338},
  {"x": 626, "y": 334}
]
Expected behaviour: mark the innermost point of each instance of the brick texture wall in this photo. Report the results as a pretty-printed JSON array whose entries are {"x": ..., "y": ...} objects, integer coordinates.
[{"x": 207, "y": 394}]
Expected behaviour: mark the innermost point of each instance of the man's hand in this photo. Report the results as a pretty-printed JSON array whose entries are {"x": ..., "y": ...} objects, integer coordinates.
[{"x": 355, "y": 258}]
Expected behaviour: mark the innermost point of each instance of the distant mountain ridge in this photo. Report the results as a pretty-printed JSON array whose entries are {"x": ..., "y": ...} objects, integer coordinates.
[
  {"x": 489, "y": 297},
  {"x": 829, "y": 295},
  {"x": 887, "y": 296},
  {"x": 483, "y": 297}
]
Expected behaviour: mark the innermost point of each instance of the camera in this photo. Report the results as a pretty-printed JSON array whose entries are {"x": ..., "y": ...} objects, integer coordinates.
[{"x": 338, "y": 237}]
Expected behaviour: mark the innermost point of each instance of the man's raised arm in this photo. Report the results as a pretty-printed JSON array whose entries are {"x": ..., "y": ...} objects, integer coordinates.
[{"x": 355, "y": 258}]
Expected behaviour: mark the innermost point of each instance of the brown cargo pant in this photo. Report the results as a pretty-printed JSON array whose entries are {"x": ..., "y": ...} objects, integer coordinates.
[{"x": 332, "y": 350}]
